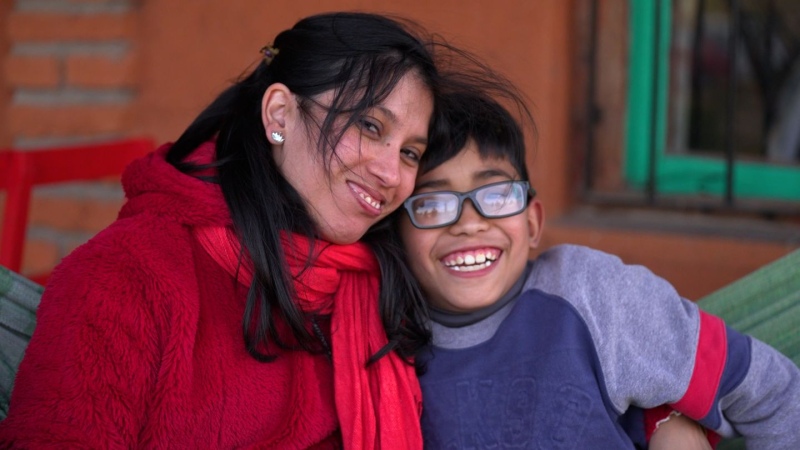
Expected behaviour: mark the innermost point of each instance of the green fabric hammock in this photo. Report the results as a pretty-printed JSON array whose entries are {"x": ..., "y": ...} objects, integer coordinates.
[
  {"x": 766, "y": 305},
  {"x": 19, "y": 298}
]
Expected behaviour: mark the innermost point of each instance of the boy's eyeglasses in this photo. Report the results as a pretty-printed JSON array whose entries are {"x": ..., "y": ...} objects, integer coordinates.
[{"x": 493, "y": 201}]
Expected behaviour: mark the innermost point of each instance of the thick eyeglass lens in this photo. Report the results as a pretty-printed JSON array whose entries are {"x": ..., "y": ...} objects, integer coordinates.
[
  {"x": 500, "y": 199},
  {"x": 434, "y": 209}
]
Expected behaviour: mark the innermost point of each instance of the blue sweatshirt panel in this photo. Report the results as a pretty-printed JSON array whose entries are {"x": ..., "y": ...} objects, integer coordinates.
[{"x": 536, "y": 383}]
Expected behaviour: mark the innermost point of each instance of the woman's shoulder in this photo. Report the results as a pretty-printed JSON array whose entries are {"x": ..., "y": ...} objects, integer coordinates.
[
  {"x": 133, "y": 258},
  {"x": 138, "y": 240}
]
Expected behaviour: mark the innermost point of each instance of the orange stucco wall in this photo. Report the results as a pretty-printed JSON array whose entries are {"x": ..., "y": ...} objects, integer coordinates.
[{"x": 169, "y": 58}]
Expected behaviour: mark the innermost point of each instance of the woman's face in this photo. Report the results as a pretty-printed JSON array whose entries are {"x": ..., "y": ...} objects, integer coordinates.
[{"x": 374, "y": 166}]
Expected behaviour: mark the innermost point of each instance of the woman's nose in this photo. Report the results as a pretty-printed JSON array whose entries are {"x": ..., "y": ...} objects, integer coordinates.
[{"x": 385, "y": 165}]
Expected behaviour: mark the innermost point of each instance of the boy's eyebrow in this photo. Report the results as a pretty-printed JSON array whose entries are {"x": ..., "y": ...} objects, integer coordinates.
[
  {"x": 491, "y": 173},
  {"x": 444, "y": 183},
  {"x": 440, "y": 183}
]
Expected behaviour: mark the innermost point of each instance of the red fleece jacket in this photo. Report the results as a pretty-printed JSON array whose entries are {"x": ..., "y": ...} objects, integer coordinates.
[{"x": 139, "y": 341}]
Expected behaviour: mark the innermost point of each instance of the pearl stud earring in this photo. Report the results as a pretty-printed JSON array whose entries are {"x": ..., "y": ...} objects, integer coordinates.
[{"x": 277, "y": 136}]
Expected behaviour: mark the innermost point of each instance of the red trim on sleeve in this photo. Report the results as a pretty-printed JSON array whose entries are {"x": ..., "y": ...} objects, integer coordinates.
[{"x": 712, "y": 352}]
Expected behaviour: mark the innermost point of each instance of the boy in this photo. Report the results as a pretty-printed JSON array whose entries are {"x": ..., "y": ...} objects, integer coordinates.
[{"x": 562, "y": 351}]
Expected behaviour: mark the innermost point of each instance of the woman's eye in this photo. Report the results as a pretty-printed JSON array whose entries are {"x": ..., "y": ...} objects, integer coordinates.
[
  {"x": 411, "y": 154},
  {"x": 369, "y": 125}
]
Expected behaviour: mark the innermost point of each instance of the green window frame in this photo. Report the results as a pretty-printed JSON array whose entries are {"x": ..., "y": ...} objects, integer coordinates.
[{"x": 680, "y": 173}]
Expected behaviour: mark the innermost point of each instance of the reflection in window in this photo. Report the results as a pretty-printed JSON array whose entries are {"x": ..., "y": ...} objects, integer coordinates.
[{"x": 766, "y": 69}]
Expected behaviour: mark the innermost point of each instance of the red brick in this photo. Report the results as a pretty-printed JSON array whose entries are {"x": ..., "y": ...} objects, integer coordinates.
[
  {"x": 30, "y": 26},
  {"x": 33, "y": 121},
  {"x": 32, "y": 71},
  {"x": 5, "y": 93},
  {"x": 73, "y": 214},
  {"x": 95, "y": 71}
]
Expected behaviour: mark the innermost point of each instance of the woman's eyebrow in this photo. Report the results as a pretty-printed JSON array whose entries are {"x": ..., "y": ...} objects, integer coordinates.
[
  {"x": 392, "y": 117},
  {"x": 387, "y": 112}
]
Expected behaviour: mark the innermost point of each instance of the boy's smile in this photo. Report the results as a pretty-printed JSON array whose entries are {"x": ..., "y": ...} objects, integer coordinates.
[
  {"x": 471, "y": 261},
  {"x": 470, "y": 264}
]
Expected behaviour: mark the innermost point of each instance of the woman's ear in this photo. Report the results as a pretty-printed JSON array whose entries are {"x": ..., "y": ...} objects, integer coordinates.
[
  {"x": 276, "y": 105},
  {"x": 535, "y": 213}
]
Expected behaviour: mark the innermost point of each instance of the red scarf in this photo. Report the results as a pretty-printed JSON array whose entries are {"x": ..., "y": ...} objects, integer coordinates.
[{"x": 379, "y": 406}]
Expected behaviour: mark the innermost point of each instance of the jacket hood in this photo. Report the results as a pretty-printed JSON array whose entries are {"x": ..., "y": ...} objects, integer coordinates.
[{"x": 155, "y": 187}]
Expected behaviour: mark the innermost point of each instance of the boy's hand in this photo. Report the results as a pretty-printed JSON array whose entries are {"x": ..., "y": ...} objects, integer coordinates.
[{"x": 679, "y": 432}]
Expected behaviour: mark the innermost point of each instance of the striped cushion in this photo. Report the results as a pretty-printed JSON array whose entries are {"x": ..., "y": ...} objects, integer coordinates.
[{"x": 19, "y": 298}]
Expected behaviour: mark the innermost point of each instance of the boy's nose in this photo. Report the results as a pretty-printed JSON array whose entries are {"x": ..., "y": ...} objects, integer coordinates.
[{"x": 471, "y": 221}]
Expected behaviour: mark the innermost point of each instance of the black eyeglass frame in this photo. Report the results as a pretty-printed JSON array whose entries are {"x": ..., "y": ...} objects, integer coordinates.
[{"x": 530, "y": 193}]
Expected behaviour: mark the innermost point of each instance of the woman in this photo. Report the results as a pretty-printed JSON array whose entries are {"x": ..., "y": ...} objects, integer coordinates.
[{"x": 244, "y": 231}]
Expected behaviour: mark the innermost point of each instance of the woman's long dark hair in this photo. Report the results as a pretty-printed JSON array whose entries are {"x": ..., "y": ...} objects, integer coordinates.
[{"x": 362, "y": 57}]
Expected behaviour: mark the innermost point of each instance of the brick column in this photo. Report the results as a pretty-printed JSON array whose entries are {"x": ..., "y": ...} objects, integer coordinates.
[
  {"x": 5, "y": 91},
  {"x": 70, "y": 71}
]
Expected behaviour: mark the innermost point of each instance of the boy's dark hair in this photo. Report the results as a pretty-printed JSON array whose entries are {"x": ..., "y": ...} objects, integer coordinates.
[{"x": 476, "y": 116}]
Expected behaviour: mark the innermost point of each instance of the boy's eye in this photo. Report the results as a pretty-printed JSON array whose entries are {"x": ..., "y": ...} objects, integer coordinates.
[
  {"x": 495, "y": 199},
  {"x": 436, "y": 205},
  {"x": 500, "y": 198},
  {"x": 499, "y": 203}
]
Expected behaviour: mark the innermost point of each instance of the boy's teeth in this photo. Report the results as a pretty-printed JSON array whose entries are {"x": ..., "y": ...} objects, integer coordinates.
[
  {"x": 472, "y": 268},
  {"x": 471, "y": 261}
]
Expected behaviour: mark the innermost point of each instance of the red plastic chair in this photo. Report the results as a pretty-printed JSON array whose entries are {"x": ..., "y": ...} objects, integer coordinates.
[{"x": 20, "y": 171}]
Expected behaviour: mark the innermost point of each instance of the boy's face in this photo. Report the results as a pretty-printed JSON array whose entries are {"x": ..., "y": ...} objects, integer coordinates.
[{"x": 439, "y": 257}]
